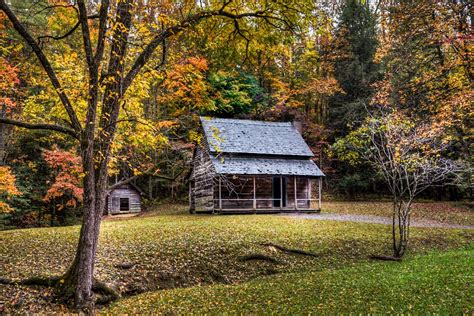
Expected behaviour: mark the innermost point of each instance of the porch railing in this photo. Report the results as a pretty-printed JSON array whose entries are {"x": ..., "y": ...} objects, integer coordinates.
[{"x": 253, "y": 204}]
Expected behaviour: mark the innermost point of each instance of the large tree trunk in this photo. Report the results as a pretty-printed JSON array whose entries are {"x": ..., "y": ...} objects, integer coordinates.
[
  {"x": 79, "y": 279},
  {"x": 95, "y": 152}
]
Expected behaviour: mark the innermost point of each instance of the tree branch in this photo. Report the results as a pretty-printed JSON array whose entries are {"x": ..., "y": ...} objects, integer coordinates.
[
  {"x": 19, "y": 27},
  {"x": 104, "y": 8},
  {"x": 44, "y": 126},
  {"x": 147, "y": 52},
  {"x": 146, "y": 173},
  {"x": 86, "y": 37},
  {"x": 57, "y": 38}
]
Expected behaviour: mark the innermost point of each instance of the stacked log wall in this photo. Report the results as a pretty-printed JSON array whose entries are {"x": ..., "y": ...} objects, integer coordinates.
[{"x": 202, "y": 182}]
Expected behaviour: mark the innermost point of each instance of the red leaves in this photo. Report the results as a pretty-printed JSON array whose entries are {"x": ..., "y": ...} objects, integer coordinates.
[
  {"x": 8, "y": 81},
  {"x": 67, "y": 168}
]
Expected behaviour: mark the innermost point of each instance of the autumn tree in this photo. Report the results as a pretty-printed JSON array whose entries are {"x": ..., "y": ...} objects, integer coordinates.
[
  {"x": 119, "y": 44},
  {"x": 8, "y": 106},
  {"x": 7, "y": 188},
  {"x": 410, "y": 157},
  {"x": 66, "y": 187},
  {"x": 426, "y": 48}
]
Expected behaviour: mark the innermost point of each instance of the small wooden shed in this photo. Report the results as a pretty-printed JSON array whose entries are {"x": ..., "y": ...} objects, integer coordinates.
[
  {"x": 253, "y": 166},
  {"x": 124, "y": 199}
]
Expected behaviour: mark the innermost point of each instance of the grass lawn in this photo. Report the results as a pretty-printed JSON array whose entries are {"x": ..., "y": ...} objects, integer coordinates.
[
  {"x": 438, "y": 282},
  {"x": 202, "y": 253}
]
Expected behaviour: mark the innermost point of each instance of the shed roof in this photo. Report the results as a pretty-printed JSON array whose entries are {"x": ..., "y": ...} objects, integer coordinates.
[
  {"x": 266, "y": 166},
  {"x": 129, "y": 185},
  {"x": 254, "y": 137}
]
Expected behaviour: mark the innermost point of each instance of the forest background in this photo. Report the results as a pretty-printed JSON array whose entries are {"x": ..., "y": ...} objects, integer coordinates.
[{"x": 338, "y": 63}]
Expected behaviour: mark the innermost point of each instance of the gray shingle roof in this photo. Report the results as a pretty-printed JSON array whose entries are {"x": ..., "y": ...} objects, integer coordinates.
[
  {"x": 265, "y": 166},
  {"x": 254, "y": 137}
]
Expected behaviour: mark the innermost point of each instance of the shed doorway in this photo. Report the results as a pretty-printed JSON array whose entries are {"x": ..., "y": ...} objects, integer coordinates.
[
  {"x": 124, "y": 204},
  {"x": 279, "y": 191}
]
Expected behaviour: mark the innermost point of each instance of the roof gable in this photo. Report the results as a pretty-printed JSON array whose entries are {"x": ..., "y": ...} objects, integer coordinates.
[{"x": 254, "y": 137}]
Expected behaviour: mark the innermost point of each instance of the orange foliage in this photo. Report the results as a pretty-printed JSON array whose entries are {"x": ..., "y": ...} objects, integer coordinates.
[
  {"x": 8, "y": 81},
  {"x": 185, "y": 85},
  {"x": 67, "y": 167},
  {"x": 7, "y": 187}
]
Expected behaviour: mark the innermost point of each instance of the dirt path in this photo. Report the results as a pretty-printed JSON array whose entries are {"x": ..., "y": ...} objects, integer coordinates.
[{"x": 373, "y": 220}]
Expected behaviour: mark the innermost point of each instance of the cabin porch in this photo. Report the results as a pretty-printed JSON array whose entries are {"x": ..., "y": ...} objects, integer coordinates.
[{"x": 252, "y": 194}]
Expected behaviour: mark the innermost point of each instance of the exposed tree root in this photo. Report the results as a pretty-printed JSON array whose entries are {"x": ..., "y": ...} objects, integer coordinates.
[
  {"x": 290, "y": 251},
  {"x": 258, "y": 257},
  {"x": 386, "y": 258},
  {"x": 124, "y": 266},
  {"x": 41, "y": 281},
  {"x": 105, "y": 293}
]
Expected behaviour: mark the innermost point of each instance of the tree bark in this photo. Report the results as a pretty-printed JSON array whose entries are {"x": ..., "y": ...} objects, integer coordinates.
[{"x": 400, "y": 226}]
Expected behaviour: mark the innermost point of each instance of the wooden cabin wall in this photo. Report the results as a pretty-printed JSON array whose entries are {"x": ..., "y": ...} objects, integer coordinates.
[
  {"x": 301, "y": 191},
  {"x": 234, "y": 188},
  {"x": 113, "y": 200},
  {"x": 202, "y": 186},
  {"x": 264, "y": 191}
]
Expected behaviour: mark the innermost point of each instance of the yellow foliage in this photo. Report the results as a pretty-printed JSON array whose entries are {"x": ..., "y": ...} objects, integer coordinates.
[{"x": 7, "y": 187}]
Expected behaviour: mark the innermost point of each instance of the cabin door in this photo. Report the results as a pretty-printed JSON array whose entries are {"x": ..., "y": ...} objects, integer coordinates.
[
  {"x": 279, "y": 191},
  {"x": 124, "y": 204}
]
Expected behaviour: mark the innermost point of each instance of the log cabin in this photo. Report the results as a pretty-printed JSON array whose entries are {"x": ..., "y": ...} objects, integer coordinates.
[
  {"x": 246, "y": 166},
  {"x": 124, "y": 199}
]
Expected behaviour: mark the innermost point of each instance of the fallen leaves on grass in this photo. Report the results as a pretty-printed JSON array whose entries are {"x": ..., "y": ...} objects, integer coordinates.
[{"x": 181, "y": 250}]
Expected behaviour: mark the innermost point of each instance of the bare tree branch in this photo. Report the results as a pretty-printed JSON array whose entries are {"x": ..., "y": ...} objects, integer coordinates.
[
  {"x": 146, "y": 173},
  {"x": 51, "y": 127},
  {"x": 86, "y": 37},
  {"x": 104, "y": 8}
]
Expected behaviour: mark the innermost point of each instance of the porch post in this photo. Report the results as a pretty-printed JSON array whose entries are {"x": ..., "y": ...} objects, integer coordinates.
[
  {"x": 308, "y": 192},
  {"x": 296, "y": 196},
  {"x": 254, "y": 195},
  {"x": 220, "y": 195},
  {"x": 281, "y": 192},
  {"x": 320, "y": 181},
  {"x": 190, "y": 197}
]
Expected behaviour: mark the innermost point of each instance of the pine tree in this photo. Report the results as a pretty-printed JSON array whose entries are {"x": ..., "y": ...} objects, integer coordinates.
[{"x": 353, "y": 55}]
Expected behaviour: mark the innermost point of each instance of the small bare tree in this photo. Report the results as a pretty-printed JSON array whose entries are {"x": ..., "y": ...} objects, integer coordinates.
[{"x": 409, "y": 157}]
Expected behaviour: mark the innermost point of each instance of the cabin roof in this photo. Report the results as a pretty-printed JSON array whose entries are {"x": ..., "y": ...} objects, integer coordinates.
[
  {"x": 130, "y": 186},
  {"x": 265, "y": 166},
  {"x": 254, "y": 137}
]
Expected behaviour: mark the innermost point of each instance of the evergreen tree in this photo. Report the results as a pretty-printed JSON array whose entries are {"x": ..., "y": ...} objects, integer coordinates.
[{"x": 353, "y": 54}]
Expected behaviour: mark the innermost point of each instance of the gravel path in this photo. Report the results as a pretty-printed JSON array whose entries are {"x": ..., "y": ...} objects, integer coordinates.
[{"x": 372, "y": 219}]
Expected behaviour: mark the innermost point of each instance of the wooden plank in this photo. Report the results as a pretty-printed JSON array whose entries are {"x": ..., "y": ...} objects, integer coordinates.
[
  {"x": 320, "y": 181},
  {"x": 220, "y": 194},
  {"x": 296, "y": 198},
  {"x": 254, "y": 194},
  {"x": 281, "y": 192}
]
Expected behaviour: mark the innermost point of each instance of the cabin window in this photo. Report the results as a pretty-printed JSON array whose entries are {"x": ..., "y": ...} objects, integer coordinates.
[
  {"x": 279, "y": 191},
  {"x": 124, "y": 204}
]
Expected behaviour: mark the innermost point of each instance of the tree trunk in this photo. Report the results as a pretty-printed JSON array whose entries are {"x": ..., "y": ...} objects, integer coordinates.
[
  {"x": 400, "y": 226},
  {"x": 79, "y": 278}
]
